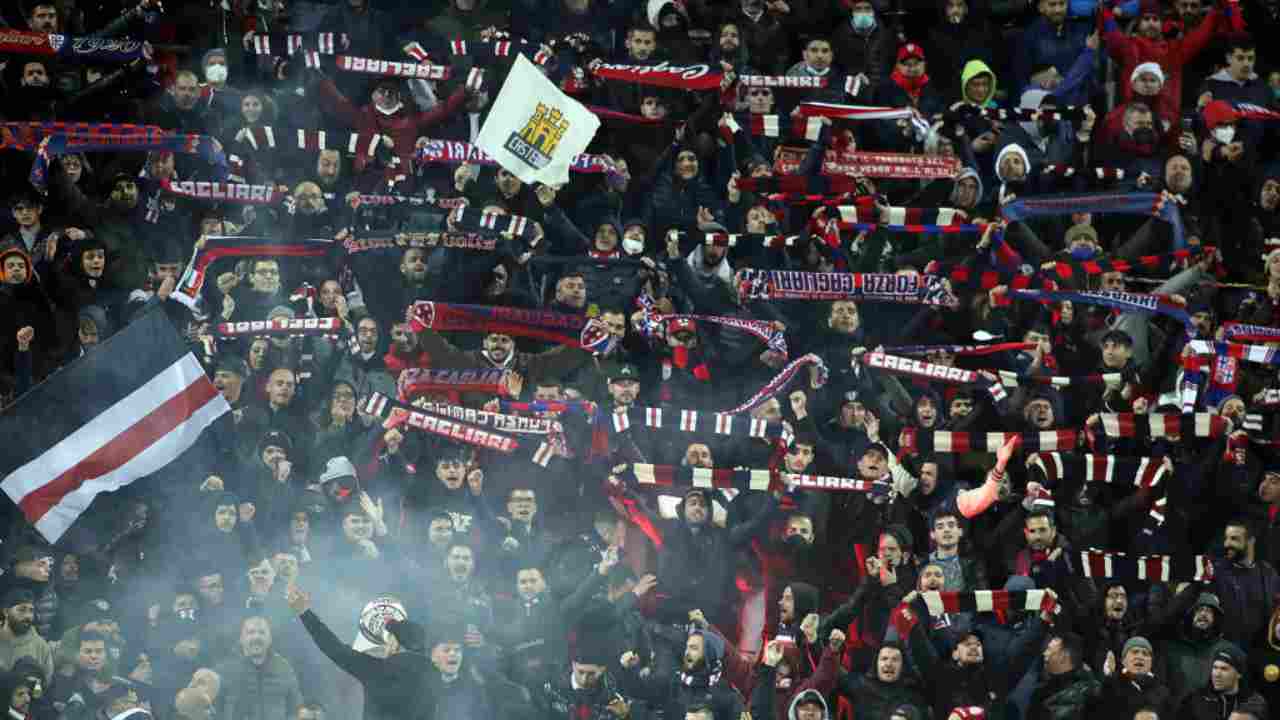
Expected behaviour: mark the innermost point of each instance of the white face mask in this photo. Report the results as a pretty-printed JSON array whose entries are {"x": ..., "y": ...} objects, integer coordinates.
[
  {"x": 632, "y": 246},
  {"x": 216, "y": 74},
  {"x": 1224, "y": 134}
]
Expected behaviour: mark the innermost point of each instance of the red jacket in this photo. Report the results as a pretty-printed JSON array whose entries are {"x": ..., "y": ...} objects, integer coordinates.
[
  {"x": 1131, "y": 51},
  {"x": 402, "y": 126}
]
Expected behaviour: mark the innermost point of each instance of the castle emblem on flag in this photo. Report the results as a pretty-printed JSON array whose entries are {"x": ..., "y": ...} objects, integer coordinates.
[{"x": 537, "y": 141}]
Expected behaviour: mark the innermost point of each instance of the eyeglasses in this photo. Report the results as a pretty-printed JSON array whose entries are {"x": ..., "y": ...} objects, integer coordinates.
[{"x": 760, "y": 93}]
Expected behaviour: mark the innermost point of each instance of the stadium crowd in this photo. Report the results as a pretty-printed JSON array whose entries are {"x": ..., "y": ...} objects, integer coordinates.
[{"x": 916, "y": 366}]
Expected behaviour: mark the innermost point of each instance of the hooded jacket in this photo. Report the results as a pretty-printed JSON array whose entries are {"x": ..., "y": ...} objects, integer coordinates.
[
  {"x": 25, "y": 305},
  {"x": 393, "y": 687}
]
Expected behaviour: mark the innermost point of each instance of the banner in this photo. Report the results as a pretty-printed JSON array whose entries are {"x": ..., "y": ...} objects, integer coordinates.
[
  {"x": 534, "y": 130},
  {"x": 892, "y": 166},
  {"x": 91, "y": 50},
  {"x": 692, "y": 77}
]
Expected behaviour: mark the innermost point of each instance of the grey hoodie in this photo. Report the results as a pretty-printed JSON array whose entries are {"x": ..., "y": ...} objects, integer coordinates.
[{"x": 810, "y": 693}]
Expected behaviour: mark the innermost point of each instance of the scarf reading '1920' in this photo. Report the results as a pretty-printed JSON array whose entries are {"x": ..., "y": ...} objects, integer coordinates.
[
  {"x": 572, "y": 330},
  {"x": 394, "y": 414},
  {"x": 879, "y": 287}
]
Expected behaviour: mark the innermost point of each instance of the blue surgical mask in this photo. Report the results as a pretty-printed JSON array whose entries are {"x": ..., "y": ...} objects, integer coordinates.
[
  {"x": 864, "y": 21},
  {"x": 1083, "y": 253}
]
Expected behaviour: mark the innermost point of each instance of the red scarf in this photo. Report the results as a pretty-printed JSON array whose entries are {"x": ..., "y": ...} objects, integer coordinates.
[{"x": 911, "y": 86}]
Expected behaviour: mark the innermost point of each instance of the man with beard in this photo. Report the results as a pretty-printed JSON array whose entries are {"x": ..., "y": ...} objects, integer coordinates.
[
  {"x": 461, "y": 596},
  {"x": 885, "y": 686},
  {"x": 499, "y": 351},
  {"x": 404, "y": 352},
  {"x": 587, "y": 691},
  {"x": 530, "y": 630},
  {"x": 387, "y": 297},
  {"x": 1192, "y": 634},
  {"x": 1246, "y": 586},
  {"x": 114, "y": 226},
  {"x": 1064, "y": 687},
  {"x": 260, "y": 684},
  {"x": 1108, "y": 635},
  {"x": 393, "y": 686},
  {"x": 698, "y": 681},
  {"x": 31, "y": 569},
  {"x": 18, "y": 637},
  {"x": 366, "y": 368}
]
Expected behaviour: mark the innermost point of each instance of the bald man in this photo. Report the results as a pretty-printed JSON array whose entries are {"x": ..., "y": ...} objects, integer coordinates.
[{"x": 193, "y": 704}]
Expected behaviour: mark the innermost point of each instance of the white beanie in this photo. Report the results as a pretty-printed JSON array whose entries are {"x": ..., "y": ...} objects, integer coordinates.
[
  {"x": 337, "y": 467},
  {"x": 1147, "y": 68},
  {"x": 1012, "y": 149}
]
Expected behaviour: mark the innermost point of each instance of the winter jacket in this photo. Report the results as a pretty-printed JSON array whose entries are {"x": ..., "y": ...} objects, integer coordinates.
[
  {"x": 1248, "y": 598},
  {"x": 871, "y": 54},
  {"x": 1043, "y": 44},
  {"x": 257, "y": 692},
  {"x": 1064, "y": 697},
  {"x": 1208, "y": 704},
  {"x": 876, "y": 700},
  {"x": 393, "y": 687},
  {"x": 1123, "y": 696}
]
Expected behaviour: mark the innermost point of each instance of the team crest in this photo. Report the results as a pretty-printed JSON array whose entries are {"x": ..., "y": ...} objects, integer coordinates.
[{"x": 537, "y": 141}]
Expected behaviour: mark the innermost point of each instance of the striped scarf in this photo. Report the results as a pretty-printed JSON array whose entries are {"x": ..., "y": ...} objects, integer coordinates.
[
  {"x": 1164, "y": 425},
  {"x": 849, "y": 217},
  {"x": 573, "y": 330},
  {"x": 1147, "y": 568},
  {"x": 1144, "y": 203},
  {"x": 1065, "y": 270},
  {"x": 1017, "y": 114},
  {"x": 218, "y": 247},
  {"x": 653, "y": 324},
  {"x": 27, "y": 135},
  {"x": 1262, "y": 354},
  {"x": 269, "y": 138},
  {"x": 394, "y": 414},
  {"x": 780, "y": 381},
  {"x": 475, "y": 220},
  {"x": 325, "y": 43},
  {"x": 876, "y": 287},
  {"x": 699, "y": 423},
  {"x": 743, "y": 480},
  {"x": 774, "y": 126},
  {"x": 729, "y": 240},
  {"x": 1241, "y": 332},
  {"x": 413, "y": 383},
  {"x": 865, "y": 112},
  {"x": 1141, "y": 472},
  {"x": 1123, "y": 301},
  {"x": 1113, "y": 381},
  {"x": 1101, "y": 173},
  {"x": 946, "y": 441},
  {"x": 988, "y": 601}
]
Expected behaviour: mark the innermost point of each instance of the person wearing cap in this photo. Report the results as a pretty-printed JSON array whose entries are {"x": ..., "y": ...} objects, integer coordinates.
[
  {"x": 31, "y": 568},
  {"x": 229, "y": 373},
  {"x": 393, "y": 685},
  {"x": 18, "y": 636},
  {"x": 1226, "y": 690},
  {"x": 907, "y": 86},
  {"x": 1131, "y": 683},
  {"x": 1148, "y": 46}
]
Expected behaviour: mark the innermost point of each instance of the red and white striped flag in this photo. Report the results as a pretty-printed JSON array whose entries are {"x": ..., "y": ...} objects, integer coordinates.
[{"x": 123, "y": 411}]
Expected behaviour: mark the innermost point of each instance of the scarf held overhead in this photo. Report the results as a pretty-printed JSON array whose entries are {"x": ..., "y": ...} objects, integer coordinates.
[
  {"x": 414, "y": 383},
  {"x": 217, "y": 247},
  {"x": 394, "y": 414},
  {"x": 572, "y": 330},
  {"x": 878, "y": 287},
  {"x": 743, "y": 480}
]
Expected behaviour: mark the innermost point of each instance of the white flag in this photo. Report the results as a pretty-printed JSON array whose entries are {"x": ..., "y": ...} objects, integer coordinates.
[{"x": 533, "y": 130}]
